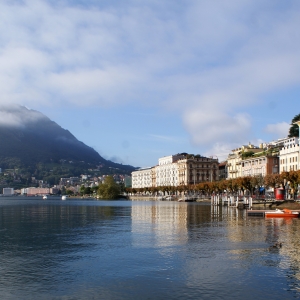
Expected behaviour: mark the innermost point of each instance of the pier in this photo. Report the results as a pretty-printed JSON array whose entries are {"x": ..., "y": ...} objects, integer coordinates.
[{"x": 232, "y": 200}]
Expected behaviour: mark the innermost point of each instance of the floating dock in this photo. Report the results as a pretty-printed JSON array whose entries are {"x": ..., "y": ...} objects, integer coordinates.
[
  {"x": 256, "y": 213},
  {"x": 260, "y": 213}
]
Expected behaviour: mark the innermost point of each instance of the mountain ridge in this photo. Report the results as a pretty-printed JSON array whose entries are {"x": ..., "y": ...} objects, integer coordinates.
[{"x": 29, "y": 137}]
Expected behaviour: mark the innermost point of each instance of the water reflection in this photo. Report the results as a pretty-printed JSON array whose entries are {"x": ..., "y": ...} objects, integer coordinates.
[{"x": 154, "y": 250}]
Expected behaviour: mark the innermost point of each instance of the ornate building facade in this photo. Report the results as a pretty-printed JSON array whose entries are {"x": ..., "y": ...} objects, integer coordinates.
[{"x": 176, "y": 170}]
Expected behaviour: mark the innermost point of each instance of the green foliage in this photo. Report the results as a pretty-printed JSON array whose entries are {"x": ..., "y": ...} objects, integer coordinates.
[
  {"x": 247, "y": 154},
  {"x": 294, "y": 129},
  {"x": 109, "y": 189},
  {"x": 69, "y": 192}
]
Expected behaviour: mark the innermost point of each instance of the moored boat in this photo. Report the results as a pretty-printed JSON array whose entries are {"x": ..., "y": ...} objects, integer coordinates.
[
  {"x": 278, "y": 213},
  {"x": 187, "y": 199}
]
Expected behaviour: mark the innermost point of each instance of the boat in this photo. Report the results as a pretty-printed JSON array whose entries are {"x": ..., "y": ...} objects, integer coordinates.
[
  {"x": 187, "y": 199},
  {"x": 284, "y": 213},
  {"x": 63, "y": 197},
  {"x": 44, "y": 197}
]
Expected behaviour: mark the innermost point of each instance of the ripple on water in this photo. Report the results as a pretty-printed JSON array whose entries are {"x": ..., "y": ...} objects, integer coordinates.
[{"x": 86, "y": 250}]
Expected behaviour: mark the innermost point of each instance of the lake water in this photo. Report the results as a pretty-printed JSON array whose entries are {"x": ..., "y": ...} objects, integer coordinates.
[{"x": 80, "y": 249}]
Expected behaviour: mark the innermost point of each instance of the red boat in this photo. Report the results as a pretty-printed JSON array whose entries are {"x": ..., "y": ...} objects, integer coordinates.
[{"x": 278, "y": 213}]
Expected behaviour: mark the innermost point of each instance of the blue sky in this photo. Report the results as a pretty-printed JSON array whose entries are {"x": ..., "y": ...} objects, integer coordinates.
[{"x": 138, "y": 80}]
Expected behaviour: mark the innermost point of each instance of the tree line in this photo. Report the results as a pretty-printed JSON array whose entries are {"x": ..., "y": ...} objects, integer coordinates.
[{"x": 244, "y": 184}]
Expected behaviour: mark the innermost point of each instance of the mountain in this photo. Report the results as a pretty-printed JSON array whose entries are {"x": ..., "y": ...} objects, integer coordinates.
[{"x": 28, "y": 137}]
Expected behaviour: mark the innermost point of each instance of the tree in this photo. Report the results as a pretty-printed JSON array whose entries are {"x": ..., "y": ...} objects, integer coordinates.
[
  {"x": 247, "y": 154},
  {"x": 244, "y": 183},
  {"x": 109, "y": 189},
  {"x": 81, "y": 191},
  {"x": 69, "y": 192},
  {"x": 294, "y": 129},
  {"x": 272, "y": 180}
]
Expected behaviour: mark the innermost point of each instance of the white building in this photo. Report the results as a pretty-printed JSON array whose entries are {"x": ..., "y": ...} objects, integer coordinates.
[
  {"x": 260, "y": 166},
  {"x": 176, "y": 170},
  {"x": 234, "y": 160},
  {"x": 289, "y": 155},
  {"x": 166, "y": 173},
  {"x": 34, "y": 191},
  {"x": 8, "y": 191},
  {"x": 142, "y": 178}
]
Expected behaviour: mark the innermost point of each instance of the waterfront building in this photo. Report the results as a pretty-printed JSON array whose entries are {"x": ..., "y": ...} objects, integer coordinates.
[
  {"x": 128, "y": 181},
  {"x": 260, "y": 166},
  {"x": 176, "y": 170},
  {"x": 54, "y": 190},
  {"x": 33, "y": 191},
  {"x": 222, "y": 170},
  {"x": 235, "y": 158},
  {"x": 289, "y": 155},
  {"x": 142, "y": 178},
  {"x": 194, "y": 169},
  {"x": 166, "y": 173},
  {"x": 8, "y": 191}
]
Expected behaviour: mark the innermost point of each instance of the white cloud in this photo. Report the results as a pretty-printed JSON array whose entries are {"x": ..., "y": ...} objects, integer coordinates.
[
  {"x": 208, "y": 126},
  {"x": 14, "y": 115},
  {"x": 208, "y": 60},
  {"x": 279, "y": 130}
]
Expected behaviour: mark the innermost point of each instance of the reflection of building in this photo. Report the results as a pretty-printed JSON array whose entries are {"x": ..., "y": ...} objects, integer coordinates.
[
  {"x": 165, "y": 219},
  {"x": 175, "y": 170}
]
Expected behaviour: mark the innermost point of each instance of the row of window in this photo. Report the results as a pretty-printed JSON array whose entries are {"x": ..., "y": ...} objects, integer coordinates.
[
  {"x": 285, "y": 160},
  {"x": 202, "y": 166},
  {"x": 291, "y": 168}
]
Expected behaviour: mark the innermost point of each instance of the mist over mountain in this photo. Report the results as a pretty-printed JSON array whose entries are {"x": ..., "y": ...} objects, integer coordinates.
[{"x": 29, "y": 137}]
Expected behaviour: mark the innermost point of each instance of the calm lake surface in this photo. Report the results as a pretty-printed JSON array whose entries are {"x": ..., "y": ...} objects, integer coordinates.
[{"x": 87, "y": 249}]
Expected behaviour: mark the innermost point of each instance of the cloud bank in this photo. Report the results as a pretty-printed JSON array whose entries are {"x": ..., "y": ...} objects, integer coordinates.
[
  {"x": 207, "y": 60},
  {"x": 15, "y": 116}
]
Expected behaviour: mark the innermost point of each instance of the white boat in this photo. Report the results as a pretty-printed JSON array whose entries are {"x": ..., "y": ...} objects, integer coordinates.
[
  {"x": 187, "y": 199},
  {"x": 63, "y": 197},
  {"x": 44, "y": 197}
]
